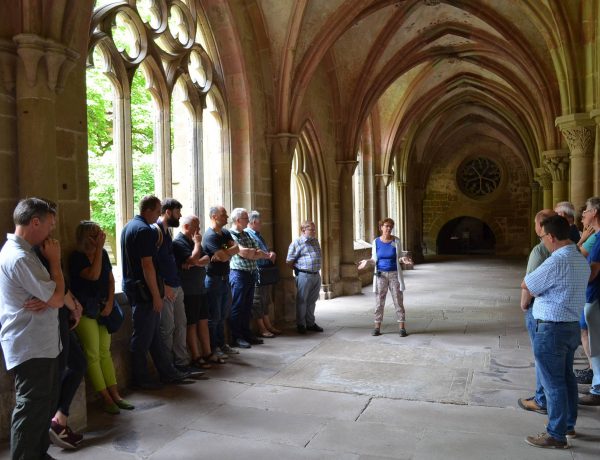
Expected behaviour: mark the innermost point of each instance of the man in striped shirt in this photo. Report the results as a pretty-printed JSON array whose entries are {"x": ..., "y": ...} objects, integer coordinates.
[
  {"x": 558, "y": 285},
  {"x": 304, "y": 256}
]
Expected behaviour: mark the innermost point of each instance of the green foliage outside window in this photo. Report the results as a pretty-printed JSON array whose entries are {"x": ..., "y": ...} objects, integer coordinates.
[{"x": 101, "y": 157}]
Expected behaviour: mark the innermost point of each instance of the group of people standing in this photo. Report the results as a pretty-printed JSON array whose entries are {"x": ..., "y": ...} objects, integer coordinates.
[
  {"x": 182, "y": 291},
  {"x": 560, "y": 297}
]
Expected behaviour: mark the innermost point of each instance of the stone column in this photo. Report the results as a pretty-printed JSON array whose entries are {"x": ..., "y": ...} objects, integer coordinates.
[
  {"x": 348, "y": 271},
  {"x": 381, "y": 210},
  {"x": 543, "y": 177},
  {"x": 535, "y": 207},
  {"x": 579, "y": 131},
  {"x": 42, "y": 67},
  {"x": 595, "y": 115},
  {"x": 401, "y": 230},
  {"x": 282, "y": 152},
  {"x": 557, "y": 164}
]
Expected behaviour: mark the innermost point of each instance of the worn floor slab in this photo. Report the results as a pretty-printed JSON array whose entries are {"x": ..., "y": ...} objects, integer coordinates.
[{"x": 449, "y": 390}]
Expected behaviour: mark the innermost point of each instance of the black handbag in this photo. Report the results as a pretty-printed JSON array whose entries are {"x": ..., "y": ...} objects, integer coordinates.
[
  {"x": 93, "y": 306},
  {"x": 268, "y": 275},
  {"x": 142, "y": 292},
  {"x": 113, "y": 321}
]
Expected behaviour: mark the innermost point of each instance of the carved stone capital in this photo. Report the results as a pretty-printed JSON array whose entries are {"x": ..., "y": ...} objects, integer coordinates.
[
  {"x": 283, "y": 145},
  {"x": 543, "y": 177},
  {"x": 383, "y": 180},
  {"x": 556, "y": 163},
  {"x": 346, "y": 167},
  {"x": 595, "y": 115},
  {"x": 578, "y": 129},
  {"x": 59, "y": 60}
]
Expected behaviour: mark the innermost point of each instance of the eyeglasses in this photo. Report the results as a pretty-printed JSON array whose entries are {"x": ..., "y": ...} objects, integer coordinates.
[
  {"x": 542, "y": 236},
  {"x": 586, "y": 210}
]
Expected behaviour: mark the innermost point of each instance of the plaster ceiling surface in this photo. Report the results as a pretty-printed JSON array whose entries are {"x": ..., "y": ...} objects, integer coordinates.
[
  {"x": 450, "y": 41},
  {"x": 276, "y": 14},
  {"x": 352, "y": 48},
  {"x": 425, "y": 17},
  {"x": 316, "y": 14}
]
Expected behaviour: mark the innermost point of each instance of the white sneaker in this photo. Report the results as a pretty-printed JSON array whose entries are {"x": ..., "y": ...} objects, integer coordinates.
[{"x": 230, "y": 351}]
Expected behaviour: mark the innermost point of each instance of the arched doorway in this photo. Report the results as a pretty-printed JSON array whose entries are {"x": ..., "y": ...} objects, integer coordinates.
[{"x": 466, "y": 235}]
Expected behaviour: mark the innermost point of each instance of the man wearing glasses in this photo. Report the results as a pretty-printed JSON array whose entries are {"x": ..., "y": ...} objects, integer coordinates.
[
  {"x": 537, "y": 402},
  {"x": 559, "y": 286}
]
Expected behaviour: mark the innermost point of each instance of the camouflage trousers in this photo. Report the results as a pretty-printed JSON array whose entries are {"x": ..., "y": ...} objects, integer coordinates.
[{"x": 385, "y": 281}]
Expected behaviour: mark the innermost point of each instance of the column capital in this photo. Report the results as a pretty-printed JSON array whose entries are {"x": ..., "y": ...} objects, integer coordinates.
[
  {"x": 595, "y": 115},
  {"x": 578, "y": 129},
  {"x": 346, "y": 166},
  {"x": 283, "y": 144},
  {"x": 556, "y": 163},
  {"x": 543, "y": 177},
  {"x": 59, "y": 60},
  {"x": 383, "y": 179}
]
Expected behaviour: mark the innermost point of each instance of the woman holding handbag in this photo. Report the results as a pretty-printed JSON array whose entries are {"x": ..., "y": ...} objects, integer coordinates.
[
  {"x": 93, "y": 284},
  {"x": 386, "y": 257}
]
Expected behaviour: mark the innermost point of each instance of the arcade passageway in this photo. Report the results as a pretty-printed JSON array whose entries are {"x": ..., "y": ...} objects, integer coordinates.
[{"x": 447, "y": 391}]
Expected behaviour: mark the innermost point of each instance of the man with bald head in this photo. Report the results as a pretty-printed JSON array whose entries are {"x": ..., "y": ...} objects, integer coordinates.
[
  {"x": 536, "y": 403},
  {"x": 566, "y": 209},
  {"x": 218, "y": 244}
]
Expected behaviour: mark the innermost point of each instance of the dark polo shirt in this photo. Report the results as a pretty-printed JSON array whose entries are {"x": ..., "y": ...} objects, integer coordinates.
[
  {"x": 211, "y": 243},
  {"x": 138, "y": 240}
]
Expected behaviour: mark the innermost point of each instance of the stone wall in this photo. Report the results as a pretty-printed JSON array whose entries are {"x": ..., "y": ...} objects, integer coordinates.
[{"x": 506, "y": 211}]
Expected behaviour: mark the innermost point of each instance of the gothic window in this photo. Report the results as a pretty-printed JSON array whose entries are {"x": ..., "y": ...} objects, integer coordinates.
[{"x": 152, "y": 106}]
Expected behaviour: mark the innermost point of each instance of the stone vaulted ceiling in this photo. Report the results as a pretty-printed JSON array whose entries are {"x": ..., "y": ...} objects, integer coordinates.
[{"x": 428, "y": 73}]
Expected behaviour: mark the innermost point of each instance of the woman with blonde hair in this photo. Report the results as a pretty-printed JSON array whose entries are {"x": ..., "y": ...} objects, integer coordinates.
[
  {"x": 93, "y": 284},
  {"x": 386, "y": 258}
]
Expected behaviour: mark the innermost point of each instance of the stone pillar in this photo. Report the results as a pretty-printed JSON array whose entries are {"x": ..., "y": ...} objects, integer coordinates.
[
  {"x": 579, "y": 132},
  {"x": 401, "y": 230},
  {"x": 348, "y": 271},
  {"x": 543, "y": 177},
  {"x": 381, "y": 209},
  {"x": 557, "y": 164},
  {"x": 42, "y": 67},
  {"x": 595, "y": 115},
  {"x": 282, "y": 152},
  {"x": 535, "y": 207}
]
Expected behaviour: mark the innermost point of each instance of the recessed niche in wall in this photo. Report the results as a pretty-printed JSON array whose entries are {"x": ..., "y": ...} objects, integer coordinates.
[{"x": 478, "y": 177}]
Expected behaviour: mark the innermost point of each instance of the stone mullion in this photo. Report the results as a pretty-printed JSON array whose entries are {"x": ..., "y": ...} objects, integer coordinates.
[{"x": 198, "y": 204}]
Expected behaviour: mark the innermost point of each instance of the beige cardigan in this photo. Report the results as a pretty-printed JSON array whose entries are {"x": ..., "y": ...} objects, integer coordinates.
[{"x": 398, "y": 245}]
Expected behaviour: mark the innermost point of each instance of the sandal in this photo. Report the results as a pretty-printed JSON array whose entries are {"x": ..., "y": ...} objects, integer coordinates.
[
  {"x": 275, "y": 331},
  {"x": 214, "y": 359},
  {"x": 266, "y": 335},
  {"x": 201, "y": 363}
]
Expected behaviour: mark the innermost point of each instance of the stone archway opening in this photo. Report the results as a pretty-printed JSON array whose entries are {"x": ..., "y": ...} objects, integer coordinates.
[{"x": 466, "y": 235}]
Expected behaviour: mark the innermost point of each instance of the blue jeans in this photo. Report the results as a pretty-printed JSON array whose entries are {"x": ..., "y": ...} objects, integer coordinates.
[
  {"x": 242, "y": 295},
  {"x": 217, "y": 295},
  {"x": 554, "y": 348},
  {"x": 539, "y": 397},
  {"x": 146, "y": 338}
]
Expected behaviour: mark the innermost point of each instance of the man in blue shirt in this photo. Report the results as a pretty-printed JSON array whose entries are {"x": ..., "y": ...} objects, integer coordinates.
[
  {"x": 304, "y": 256},
  {"x": 559, "y": 288},
  {"x": 141, "y": 284}
]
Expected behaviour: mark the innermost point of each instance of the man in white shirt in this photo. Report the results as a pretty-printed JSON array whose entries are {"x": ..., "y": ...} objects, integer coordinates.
[{"x": 30, "y": 297}]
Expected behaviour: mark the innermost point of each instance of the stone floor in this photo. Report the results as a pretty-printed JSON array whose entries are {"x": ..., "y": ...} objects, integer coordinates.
[{"x": 446, "y": 391}]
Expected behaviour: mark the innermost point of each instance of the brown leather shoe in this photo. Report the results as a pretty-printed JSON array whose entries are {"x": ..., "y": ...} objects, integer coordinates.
[
  {"x": 530, "y": 404},
  {"x": 545, "y": 441},
  {"x": 589, "y": 400}
]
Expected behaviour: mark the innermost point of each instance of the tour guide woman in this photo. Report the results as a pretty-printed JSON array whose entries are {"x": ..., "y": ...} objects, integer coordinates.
[{"x": 386, "y": 256}]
